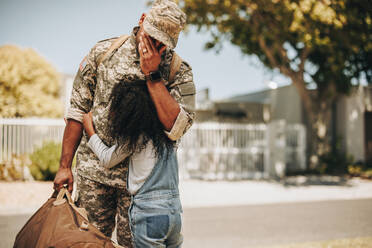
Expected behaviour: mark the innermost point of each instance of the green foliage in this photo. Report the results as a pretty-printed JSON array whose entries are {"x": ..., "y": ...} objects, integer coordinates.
[
  {"x": 327, "y": 44},
  {"x": 360, "y": 170},
  {"x": 45, "y": 161},
  {"x": 333, "y": 36},
  {"x": 367, "y": 174},
  {"x": 29, "y": 86},
  {"x": 335, "y": 163},
  {"x": 355, "y": 170},
  {"x": 15, "y": 169}
]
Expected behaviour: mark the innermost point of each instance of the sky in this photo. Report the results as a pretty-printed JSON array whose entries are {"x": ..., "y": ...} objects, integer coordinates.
[{"x": 64, "y": 31}]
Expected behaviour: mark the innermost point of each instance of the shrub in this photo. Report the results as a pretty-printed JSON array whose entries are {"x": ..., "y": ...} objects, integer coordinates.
[
  {"x": 45, "y": 161},
  {"x": 339, "y": 162},
  {"x": 335, "y": 163},
  {"x": 360, "y": 170},
  {"x": 16, "y": 168},
  {"x": 355, "y": 170},
  {"x": 367, "y": 174}
]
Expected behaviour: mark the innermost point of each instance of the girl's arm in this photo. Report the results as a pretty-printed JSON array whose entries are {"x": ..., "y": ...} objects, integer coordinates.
[{"x": 108, "y": 156}]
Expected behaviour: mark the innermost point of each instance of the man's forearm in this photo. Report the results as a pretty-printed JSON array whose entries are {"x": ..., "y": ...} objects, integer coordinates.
[
  {"x": 166, "y": 107},
  {"x": 71, "y": 140}
]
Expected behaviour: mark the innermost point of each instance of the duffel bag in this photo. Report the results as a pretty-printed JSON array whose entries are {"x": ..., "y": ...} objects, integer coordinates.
[{"x": 60, "y": 224}]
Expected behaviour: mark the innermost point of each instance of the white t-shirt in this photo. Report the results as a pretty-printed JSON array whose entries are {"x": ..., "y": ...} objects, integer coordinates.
[{"x": 140, "y": 166}]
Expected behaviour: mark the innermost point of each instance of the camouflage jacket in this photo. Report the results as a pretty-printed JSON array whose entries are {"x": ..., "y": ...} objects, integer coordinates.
[{"x": 91, "y": 91}]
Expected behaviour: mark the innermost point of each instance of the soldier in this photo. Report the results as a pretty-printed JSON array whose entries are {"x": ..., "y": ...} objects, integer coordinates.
[{"x": 145, "y": 55}]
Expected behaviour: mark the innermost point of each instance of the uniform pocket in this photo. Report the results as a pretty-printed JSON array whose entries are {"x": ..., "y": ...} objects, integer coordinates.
[{"x": 157, "y": 226}]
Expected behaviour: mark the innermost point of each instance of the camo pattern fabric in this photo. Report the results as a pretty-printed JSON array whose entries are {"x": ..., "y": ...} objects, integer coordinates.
[
  {"x": 91, "y": 92},
  {"x": 164, "y": 22},
  {"x": 101, "y": 203},
  {"x": 100, "y": 190}
]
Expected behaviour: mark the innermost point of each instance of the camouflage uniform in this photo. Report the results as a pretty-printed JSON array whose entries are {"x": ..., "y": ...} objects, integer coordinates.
[
  {"x": 101, "y": 190},
  {"x": 102, "y": 203}
]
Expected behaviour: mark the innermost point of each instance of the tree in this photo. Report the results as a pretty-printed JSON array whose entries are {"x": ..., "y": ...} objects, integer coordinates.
[
  {"x": 326, "y": 44},
  {"x": 29, "y": 86}
]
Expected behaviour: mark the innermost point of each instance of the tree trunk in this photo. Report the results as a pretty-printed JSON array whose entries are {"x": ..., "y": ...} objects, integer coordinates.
[
  {"x": 317, "y": 104},
  {"x": 318, "y": 110},
  {"x": 319, "y": 133}
]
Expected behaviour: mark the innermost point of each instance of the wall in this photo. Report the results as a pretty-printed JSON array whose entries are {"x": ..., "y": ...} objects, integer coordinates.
[
  {"x": 350, "y": 123},
  {"x": 286, "y": 104}
]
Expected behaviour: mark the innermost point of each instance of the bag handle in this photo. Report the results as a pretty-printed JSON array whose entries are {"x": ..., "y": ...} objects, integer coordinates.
[
  {"x": 60, "y": 200},
  {"x": 64, "y": 192}
]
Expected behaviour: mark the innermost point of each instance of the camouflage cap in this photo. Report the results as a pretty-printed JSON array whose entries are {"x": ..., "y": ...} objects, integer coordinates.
[{"x": 164, "y": 22}]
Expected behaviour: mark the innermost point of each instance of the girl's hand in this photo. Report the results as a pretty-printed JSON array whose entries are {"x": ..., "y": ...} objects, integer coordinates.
[{"x": 88, "y": 124}]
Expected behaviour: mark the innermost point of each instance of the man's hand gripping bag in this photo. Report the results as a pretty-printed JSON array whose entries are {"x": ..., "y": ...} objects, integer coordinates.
[{"x": 60, "y": 224}]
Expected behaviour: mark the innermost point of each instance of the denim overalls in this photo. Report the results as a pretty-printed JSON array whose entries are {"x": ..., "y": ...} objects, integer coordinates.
[{"x": 155, "y": 212}]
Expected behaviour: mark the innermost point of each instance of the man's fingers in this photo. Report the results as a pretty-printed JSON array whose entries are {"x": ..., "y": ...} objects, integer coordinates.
[
  {"x": 56, "y": 184},
  {"x": 144, "y": 55},
  {"x": 140, "y": 49},
  {"x": 151, "y": 43},
  {"x": 57, "y": 187},
  {"x": 70, "y": 186},
  {"x": 147, "y": 46},
  {"x": 147, "y": 43},
  {"x": 162, "y": 49}
]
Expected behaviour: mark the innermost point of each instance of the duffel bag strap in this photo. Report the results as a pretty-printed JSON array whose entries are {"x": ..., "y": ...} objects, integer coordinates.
[
  {"x": 60, "y": 200},
  {"x": 62, "y": 193}
]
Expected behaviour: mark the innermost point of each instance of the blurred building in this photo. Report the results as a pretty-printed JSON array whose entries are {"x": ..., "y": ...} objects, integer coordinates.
[
  {"x": 353, "y": 123},
  {"x": 230, "y": 110},
  {"x": 351, "y": 115}
]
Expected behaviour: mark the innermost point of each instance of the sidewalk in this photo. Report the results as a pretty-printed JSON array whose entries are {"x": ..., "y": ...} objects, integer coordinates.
[
  {"x": 195, "y": 194},
  {"x": 26, "y": 197}
]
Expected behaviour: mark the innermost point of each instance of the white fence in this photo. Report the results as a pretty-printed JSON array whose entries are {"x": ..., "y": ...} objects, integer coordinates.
[
  {"x": 242, "y": 151},
  {"x": 207, "y": 151},
  {"x": 20, "y": 136},
  {"x": 223, "y": 151}
]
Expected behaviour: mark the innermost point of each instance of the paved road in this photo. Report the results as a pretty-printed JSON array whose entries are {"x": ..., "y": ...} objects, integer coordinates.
[
  {"x": 256, "y": 225},
  {"x": 275, "y": 224}
]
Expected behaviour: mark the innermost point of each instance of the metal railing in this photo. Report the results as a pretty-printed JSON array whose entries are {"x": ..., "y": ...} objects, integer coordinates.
[
  {"x": 207, "y": 151},
  {"x": 241, "y": 151},
  {"x": 19, "y": 136},
  {"x": 223, "y": 151}
]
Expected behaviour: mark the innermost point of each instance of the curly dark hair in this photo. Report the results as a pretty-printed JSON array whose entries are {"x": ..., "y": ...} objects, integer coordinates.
[{"x": 134, "y": 120}]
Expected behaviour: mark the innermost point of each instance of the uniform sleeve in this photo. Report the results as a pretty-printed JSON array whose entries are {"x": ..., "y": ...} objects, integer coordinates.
[
  {"x": 183, "y": 91},
  {"x": 84, "y": 85},
  {"x": 108, "y": 156},
  {"x": 82, "y": 95}
]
